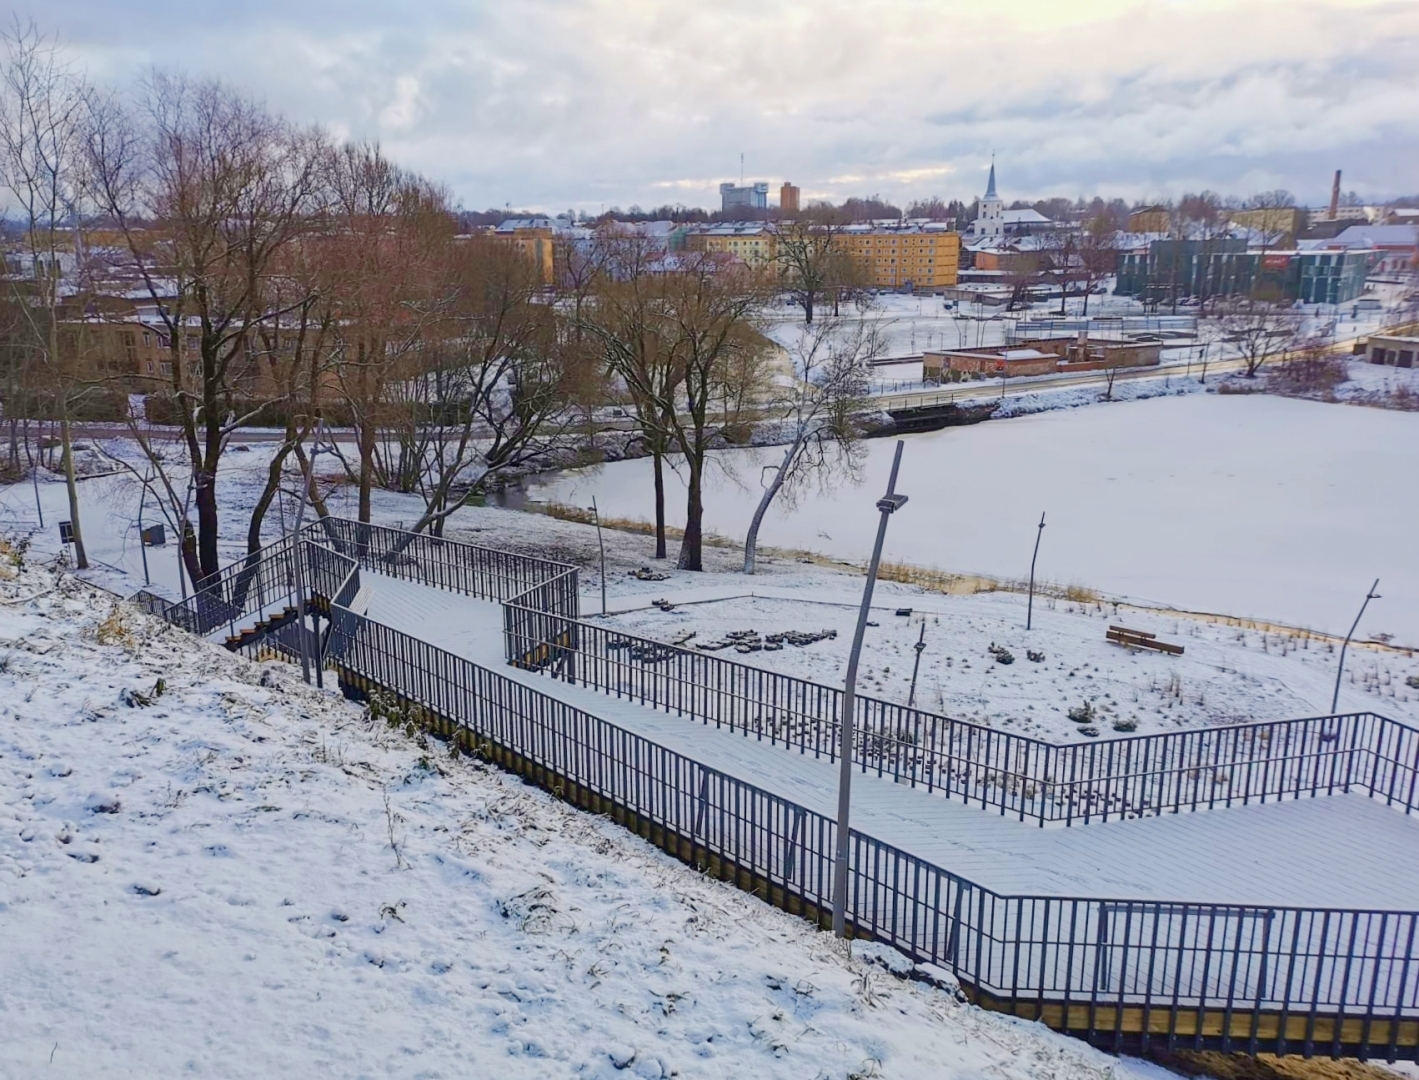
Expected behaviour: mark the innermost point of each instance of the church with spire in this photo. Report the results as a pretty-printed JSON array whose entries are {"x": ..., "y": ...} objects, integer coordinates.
[
  {"x": 991, "y": 219},
  {"x": 995, "y": 222}
]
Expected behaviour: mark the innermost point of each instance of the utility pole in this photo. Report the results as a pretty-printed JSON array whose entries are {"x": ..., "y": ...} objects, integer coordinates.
[
  {"x": 888, "y": 505},
  {"x": 1340, "y": 668},
  {"x": 1030, "y": 607},
  {"x": 602, "y": 544}
]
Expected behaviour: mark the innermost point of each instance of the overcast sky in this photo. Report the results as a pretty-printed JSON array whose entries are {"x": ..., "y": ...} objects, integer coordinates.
[{"x": 557, "y": 104}]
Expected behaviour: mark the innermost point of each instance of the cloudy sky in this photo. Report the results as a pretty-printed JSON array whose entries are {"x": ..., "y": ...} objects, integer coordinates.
[{"x": 556, "y": 104}]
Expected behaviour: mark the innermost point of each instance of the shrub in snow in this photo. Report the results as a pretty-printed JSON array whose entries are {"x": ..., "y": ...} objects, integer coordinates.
[
  {"x": 102, "y": 802},
  {"x": 1001, "y": 653},
  {"x": 1412, "y": 682},
  {"x": 1081, "y": 714},
  {"x": 1125, "y": 725}
]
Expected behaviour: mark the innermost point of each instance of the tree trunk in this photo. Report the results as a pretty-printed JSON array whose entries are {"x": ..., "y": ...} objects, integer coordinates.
[
  {"x": 81, "y": 557},
  {"x": 205, "y": 496},
  {"x": 808, "y": 308},
  {"x": 658, "y": 466},
  {"x": 268, "y": 495},
  {"x": 691, "y": 545},
  {"x": 367, "y": 448},
  {"x": 751, "y": 538}
]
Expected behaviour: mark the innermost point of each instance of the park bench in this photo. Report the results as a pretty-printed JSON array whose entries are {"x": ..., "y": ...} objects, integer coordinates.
[{"x": 1141, "y": 639}]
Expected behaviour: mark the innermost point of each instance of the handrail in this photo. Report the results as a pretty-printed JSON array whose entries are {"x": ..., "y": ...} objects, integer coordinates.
[
  {"x": 1194, "y": 966},
  {"x": 1226, "y": 976}
]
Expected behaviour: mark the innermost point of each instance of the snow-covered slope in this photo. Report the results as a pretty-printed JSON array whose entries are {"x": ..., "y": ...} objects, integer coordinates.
[{"x": 229, "y": 874}]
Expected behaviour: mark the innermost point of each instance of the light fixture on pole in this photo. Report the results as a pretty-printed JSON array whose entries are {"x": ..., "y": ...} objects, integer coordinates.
[
  {"x": 889, "y": 504},
  {"x": 1340, "y": 668}
]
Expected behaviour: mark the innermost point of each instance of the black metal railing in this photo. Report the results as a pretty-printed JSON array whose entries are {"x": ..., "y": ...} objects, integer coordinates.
[
  {"x": 1013, "y": 774},
  {"x": 1117, "y": 971}
]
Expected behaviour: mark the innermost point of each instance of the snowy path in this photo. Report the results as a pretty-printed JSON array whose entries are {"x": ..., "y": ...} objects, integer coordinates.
[{"x": 1267, "y": 854}]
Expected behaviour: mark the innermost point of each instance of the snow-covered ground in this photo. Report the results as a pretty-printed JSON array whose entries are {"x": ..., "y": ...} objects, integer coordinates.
[
  {"x": 1246, "y": 505},
  {"x": 1226, "y": 675},
  {"x": 208, "y": 868}
]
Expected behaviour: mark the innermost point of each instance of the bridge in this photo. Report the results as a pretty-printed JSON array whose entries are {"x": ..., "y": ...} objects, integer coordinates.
[{"x": 1249, "y": 888}]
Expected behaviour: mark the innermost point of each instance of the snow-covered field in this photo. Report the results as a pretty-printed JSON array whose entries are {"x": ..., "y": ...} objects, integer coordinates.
[
  {"x": 1246, "y": 505},
  {"x": 1226, "y": 675},
  {"x": 207, "y": 868}
]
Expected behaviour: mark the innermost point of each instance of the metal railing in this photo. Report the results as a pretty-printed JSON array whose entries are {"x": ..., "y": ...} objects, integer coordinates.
[
  {"x": 1070, "y": 783},
  {"x": 1015, "y": 775},
  {"x": 1120, "y": 972}
]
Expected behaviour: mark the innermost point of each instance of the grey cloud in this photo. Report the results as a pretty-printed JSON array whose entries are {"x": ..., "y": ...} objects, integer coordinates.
[{"x": 555, "y": 103}]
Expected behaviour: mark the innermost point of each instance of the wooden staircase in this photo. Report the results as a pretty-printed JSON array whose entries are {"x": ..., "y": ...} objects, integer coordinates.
[{"x": 248, "y": 634}]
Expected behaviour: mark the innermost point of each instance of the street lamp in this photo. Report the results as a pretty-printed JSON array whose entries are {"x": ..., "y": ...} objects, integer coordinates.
[
  {"x": 602, "y": 545},
  {"x": 888, "y": 505},
  {"x": 1030, "y": 608},
  {"x": 1340, "y": 668}
]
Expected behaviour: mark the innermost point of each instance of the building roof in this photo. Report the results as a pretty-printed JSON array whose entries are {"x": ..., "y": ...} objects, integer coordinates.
[
  {"x": 1027, "y": 216},
  {"x": 990, "y": 184},
  {"x": 1378, "y": 236}
]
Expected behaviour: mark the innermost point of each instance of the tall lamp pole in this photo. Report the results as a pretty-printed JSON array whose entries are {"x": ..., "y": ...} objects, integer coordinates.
[
  {"x": 602, "y": 545},
  {"x": 1030, "y": 607},
  {"x": 1340, "y": 668},
  {"x": 888, "y": 505},
  {"x": 920, "y": 647},
  {"x": 142, "y": 546}
]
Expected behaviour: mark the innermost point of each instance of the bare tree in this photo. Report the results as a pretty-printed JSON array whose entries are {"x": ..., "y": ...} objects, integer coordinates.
[
  {"x": 1258, "y": 332},
  {"x": 720, "y": 354},
  {"x": 818, "y": 410},
  {"x": 811, "y": 260},
  {"x": 494, "y": 392},
  {"x": 383, "y": 259},
  {"x": 1059, "y": 262},
  {"x": 41, "y": 136},
  {"x": 1097, "y": 253},
  {"x": 207, "y": 190}
]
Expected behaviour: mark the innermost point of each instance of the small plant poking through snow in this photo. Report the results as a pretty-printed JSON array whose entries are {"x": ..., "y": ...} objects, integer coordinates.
[
  {"x": 115, "y": 629},
  {"x": 1001, "y": 653}
]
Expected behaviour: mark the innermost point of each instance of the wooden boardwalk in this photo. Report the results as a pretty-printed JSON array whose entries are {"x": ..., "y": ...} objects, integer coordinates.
[{"x": 1338, "y": 851}]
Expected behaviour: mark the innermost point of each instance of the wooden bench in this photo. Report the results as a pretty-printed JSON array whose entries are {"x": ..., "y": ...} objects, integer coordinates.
[{"x": 1141, "y": 639}]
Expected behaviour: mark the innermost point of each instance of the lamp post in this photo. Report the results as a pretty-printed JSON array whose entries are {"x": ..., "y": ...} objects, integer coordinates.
[
  {"x": 1340, "y": 668},
  {"x": 602, "y": 545},
  {"x": 1030, "y": 607},
  {"x": 142, "y": 544},
  {"x": 920, "y": 647},
  {"x": 888, "y": 505}
]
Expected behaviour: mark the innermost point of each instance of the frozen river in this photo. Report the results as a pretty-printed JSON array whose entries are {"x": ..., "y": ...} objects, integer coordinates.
[{"x": 1249, "y": 505}]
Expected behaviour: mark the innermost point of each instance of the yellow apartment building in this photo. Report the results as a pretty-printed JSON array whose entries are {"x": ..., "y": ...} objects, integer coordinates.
[
  {"x": 752, "y": 243},
  {"x": 905, "y": 257}
]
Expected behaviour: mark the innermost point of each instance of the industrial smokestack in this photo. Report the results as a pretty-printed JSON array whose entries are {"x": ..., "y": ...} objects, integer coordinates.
[{"x": 1335, "y": 197}]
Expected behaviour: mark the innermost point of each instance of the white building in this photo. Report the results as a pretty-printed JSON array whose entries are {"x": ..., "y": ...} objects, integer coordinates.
[{"x": 994, "y": 220}]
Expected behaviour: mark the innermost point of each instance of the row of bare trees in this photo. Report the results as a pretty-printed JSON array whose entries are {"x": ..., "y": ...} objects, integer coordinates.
[{"x": 291, "y": 279}]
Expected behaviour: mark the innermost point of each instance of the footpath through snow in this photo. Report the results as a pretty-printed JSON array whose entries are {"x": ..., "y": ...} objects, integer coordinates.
[{"x": 208, "y": 868}]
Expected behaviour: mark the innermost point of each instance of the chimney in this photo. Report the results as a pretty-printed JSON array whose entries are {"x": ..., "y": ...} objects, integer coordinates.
[{"x": 1335, "y": 197}]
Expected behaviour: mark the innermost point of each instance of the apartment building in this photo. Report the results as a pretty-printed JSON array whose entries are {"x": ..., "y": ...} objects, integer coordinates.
[{"x": 918, "y": 257}]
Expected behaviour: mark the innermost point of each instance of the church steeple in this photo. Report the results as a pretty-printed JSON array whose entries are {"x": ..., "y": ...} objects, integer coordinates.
[{"x": 990, "y": 184}]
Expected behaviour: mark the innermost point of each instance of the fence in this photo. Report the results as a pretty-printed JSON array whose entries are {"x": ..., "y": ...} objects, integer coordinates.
[
  {"x": 1121, "y": 973},
  {"x": 1014, "y": 775},
  {"x": 1011, "y": 774}
]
